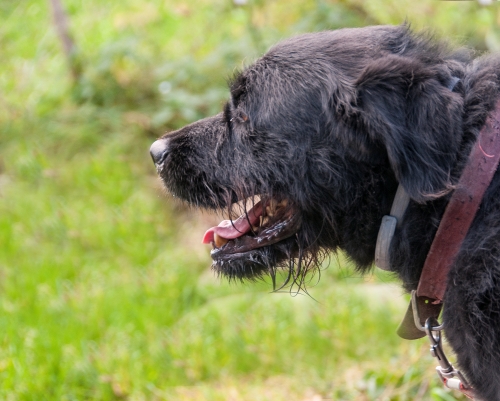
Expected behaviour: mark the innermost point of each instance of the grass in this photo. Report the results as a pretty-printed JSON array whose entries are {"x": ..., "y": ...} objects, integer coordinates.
[{"x": 105, "y": 290}]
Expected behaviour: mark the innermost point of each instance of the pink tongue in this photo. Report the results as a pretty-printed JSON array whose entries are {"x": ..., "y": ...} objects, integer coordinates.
[{"x": 237, "y": 228}]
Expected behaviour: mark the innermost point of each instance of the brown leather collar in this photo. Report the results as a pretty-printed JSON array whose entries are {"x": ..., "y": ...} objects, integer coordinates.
[
  {"x": 455, "y": 223},
  {"x": 427, "y": 301},
  {"x": 461, "y": 210}
]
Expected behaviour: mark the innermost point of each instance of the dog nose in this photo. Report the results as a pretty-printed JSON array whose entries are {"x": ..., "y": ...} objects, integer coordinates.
[{"x": 159, "y": 151}]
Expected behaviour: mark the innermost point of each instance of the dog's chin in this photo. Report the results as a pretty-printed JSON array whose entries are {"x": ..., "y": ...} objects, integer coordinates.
[{"x": 254, "y": 263}]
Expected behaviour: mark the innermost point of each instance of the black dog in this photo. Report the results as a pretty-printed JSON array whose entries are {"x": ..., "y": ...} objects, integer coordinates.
[{"x": 323, "y": 129}]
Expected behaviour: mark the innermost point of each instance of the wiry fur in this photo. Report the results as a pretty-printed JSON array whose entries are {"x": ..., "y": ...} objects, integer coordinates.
[{"x": 333, "y": 121}]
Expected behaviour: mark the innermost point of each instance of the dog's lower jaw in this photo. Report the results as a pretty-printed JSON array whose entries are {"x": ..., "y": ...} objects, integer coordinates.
[
  {"x": 256, "y": 263},
  {"x": 251, "y": 257}
]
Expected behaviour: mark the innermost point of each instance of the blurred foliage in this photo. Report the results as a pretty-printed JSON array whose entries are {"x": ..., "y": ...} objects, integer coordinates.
[
  {"x": 104, "y": 293},
  {"x": 171, "y": 59}
]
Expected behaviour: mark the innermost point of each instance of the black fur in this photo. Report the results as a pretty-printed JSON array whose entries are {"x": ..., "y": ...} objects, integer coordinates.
[{"x": 332, "y": 122}]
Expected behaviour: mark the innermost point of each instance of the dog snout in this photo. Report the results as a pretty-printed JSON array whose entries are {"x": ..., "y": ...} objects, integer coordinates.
[{"x": 159, "y": 151}]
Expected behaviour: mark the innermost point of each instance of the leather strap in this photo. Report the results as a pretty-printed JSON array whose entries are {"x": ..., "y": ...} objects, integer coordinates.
[
  {"x": 456, "y": 221},
  {"x": 461, "y": 209}
]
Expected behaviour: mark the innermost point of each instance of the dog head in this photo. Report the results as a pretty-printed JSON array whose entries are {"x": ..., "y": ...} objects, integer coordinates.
[{"x": 312, "y": 144}]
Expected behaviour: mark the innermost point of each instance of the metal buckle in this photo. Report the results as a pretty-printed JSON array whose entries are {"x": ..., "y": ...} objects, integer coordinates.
[
  {"x": 416, "y": 315},
  {"x": 450, "y": 377}
]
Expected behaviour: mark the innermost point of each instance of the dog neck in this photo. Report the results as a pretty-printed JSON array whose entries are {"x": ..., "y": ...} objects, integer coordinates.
[
  {"x": 458, "y": 216},
  {"x": 454, "y": 225}
]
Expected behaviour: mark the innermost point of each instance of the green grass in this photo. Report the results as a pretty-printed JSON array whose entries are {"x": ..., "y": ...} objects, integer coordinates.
[{"x": 105, "y": 290}]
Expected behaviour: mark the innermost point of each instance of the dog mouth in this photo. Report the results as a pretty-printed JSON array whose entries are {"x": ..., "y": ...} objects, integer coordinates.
[{"x": 266, "y": 223}]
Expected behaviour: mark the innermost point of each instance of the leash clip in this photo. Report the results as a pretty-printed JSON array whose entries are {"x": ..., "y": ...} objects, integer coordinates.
[{"x": 450, "y": 377}]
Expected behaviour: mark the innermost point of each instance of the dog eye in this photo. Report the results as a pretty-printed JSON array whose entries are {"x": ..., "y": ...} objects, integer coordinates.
[{"x": 242, "y": 117}]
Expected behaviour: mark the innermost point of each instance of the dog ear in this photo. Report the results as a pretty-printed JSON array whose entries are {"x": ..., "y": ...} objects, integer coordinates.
[{"x": 408, "y": 109}]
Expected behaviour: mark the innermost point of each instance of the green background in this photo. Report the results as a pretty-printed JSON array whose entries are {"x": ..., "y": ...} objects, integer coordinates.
[{"x": 105, "y": 289}]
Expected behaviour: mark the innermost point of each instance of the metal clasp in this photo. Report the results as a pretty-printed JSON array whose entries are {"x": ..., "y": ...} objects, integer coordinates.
[{"x": 451, "y": 377}]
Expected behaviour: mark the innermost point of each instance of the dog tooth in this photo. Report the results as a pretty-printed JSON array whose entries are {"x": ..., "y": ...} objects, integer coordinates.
[
  {"x": 274, "y": 206},
  {"x": 271, "y": 208},
  {"x": 283, "y": 203},
  {"x": 219, "y": 241}
]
